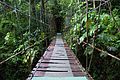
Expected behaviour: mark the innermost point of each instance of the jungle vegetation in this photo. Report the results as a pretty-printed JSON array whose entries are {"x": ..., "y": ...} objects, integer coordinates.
[{"x": 28, "y": 26}]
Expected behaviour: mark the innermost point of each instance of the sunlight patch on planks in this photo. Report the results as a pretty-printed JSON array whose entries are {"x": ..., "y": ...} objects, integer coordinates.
[{"x": 60, "y": 78}]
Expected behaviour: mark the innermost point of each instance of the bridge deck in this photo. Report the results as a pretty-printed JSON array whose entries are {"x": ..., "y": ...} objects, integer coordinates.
[{"x": 58, "y": 63}]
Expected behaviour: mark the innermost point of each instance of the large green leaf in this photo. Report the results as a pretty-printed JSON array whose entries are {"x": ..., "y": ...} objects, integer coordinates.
[{"x": 83, "y": 37}]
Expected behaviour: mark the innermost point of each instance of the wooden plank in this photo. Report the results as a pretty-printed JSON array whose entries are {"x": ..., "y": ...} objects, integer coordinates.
[
  {"x": 59, "y": 61},
  {"x": 60, "y": 78}
]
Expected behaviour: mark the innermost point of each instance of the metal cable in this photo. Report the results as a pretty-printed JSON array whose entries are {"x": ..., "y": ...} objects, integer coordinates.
[
  {"x": 103, "y": 51},
  {"x": 92, "y": 10},
  {"x": 21, "y": 52},
  {"x": 93, "y": 43},
  {"x": 23, "y": 13},
  {"x": 105, "y": 2},
  {"x": 87, "y": 33}
]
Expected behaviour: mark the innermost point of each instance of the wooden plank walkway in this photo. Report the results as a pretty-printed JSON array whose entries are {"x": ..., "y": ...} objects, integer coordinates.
[{"x": 58, "y": 63}]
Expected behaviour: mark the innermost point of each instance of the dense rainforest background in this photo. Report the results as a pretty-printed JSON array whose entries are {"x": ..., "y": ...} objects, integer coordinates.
[{"x": 90, "y": 27}]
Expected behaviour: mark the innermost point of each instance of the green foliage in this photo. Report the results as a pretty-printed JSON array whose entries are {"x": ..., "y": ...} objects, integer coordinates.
[
  {"x": 16, "y": 35},
  {"x": 10, "y": 38},
  {"x": 105, "y": 19},
  {"x": 88, "y": 50},
  {"x": 5, "y": 24},
  {"x": 104, "y": 33},
  {"x": 82, "y": 38}
]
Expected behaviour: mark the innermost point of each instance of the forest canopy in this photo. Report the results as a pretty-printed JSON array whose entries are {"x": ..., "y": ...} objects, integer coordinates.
[{"x": 28, "y": 26}]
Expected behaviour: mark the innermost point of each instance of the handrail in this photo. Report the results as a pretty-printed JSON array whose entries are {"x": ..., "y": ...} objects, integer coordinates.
[
  {"x": 103, "y": 51},
  {"x": 23, "y": 13},
  {"x": 21, "y": 52}
]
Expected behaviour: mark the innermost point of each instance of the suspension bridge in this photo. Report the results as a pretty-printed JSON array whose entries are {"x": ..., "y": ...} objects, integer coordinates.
[{"x": 59, "y": 63}]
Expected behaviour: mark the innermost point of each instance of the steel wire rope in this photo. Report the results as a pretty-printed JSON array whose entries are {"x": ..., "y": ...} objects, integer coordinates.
[
  {"x": 115, "y": 21},
  {"x": 95, "y": 32},
  {"x": 87, "y": 34},
  {"x": 93, "y": 46},
  {"x": 112, "y": 56},
  {"x": 105, "y": 2},
  {"x": 21, "y": 52},
  {"x": 23, "y": 13},
  {"x": 92, "y": 10},
  {"x": 103, "y": 51},
  {"x": 109, "y": 3},
  {"x": 15, "y": 10},
  {"x": 42, "y": 58}
]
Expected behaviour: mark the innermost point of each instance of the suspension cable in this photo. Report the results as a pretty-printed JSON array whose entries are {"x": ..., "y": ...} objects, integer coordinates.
[
  {"x": 105, "y": 2},
  {"x": 23, "y": 13},
  {"x": 21, "y": 52},
  {"x": 94, "y": 36},
  {"x": 87, "y": 33},
  {"x": 109, "y": 6},
  {"x": 29, "y": 16},
  {"x": 92, "y": 10},
  {"x": 103, "y": 51}
]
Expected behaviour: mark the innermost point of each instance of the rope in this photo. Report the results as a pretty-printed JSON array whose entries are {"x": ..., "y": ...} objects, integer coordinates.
[
  {"x": 87, "y": 32},
  {"x": 21, "y": 52},
  {"x": 97, "y": 27},
  {"x": 92, "y": 10},
  {"x": 23, "y": 13},
  {"x": 105, "y": 2},
  {"x": 42, "y": 58},
  {"x": 30, "y": 77},
  {"x": 115, "y": 21},
  {"x": 103, "y": 51},
  {"x": 95, "y": 32},
  {"x": 29, "y": 15}
]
